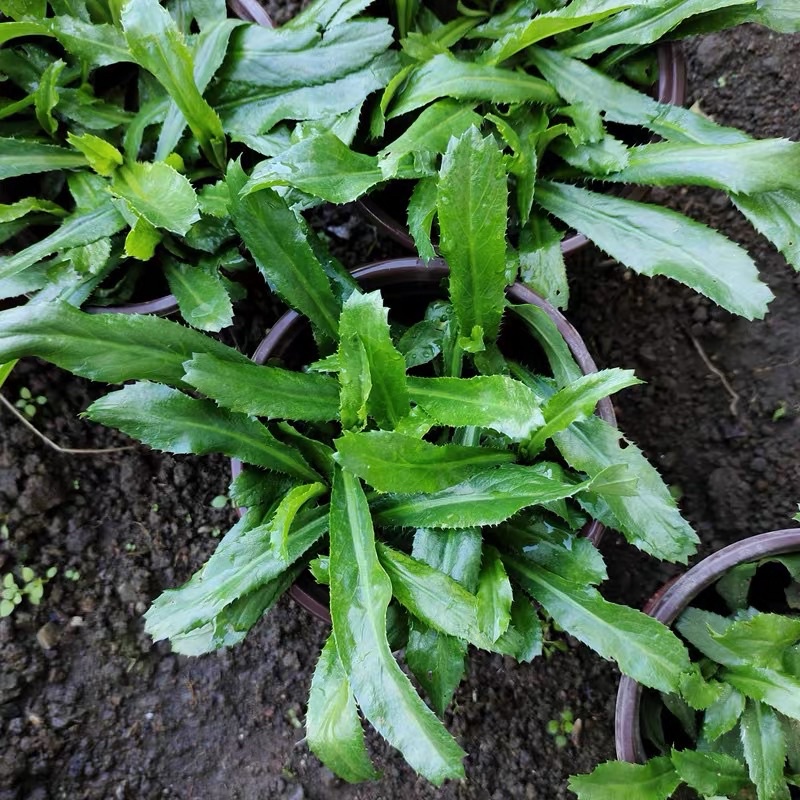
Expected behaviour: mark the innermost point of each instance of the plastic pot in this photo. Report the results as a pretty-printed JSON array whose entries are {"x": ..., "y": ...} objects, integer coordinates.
[
  {"x": 667, "y": 604},
  {"x": 249, "y": 11},
  {"x": 671, "y": 89},
  {"x": 289, "y": 341}
]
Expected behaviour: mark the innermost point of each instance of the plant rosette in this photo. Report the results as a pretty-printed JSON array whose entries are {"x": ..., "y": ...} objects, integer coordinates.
[
  {"x": 408, "y": 280},
  {"x": 547, "y": 88},
  {"x": 437, "y": 482},
  {"x": 736, "y": 733}
]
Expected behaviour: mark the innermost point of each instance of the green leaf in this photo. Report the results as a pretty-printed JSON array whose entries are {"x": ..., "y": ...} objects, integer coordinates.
[
  {"x": 287, "y": 511},
  {"x": 618, "y": 780},
  {"x": 99, "y": 45},
  {"x": 577, "y": 401},
  {"x": 276, "y": 240},
  {"x": 723, "y": 714},
  {"x": 494, "y": 596},
  {"x": 201, "y": 295},
  {"x": 264, "y": 391},
  {"x": 25, "y": 157},
  {"x": 364, "y": 320},
  {"x": 433, "y": 597},
  {"x": 485, "y": 499},
  {"x": 541, "y": 262},
  {"x": 360, "y": 594},
  {"x": 243, "y": 562},
  {"x": 473, "y": 209},
  {"x": 649, "y": 519},
  {"x": 643, "y": 648},
  {"x": 46, "y": 97},
  {"x": 776, "y": 216},
  {"x": 421, "y": 211},
  {"x": 762, "y": 639},
  {"x": 522, "y": 639},
  {"x": 485, "y": 401},
  {"x": 142, "y": 240},
  {"x": 699, "y": 628},
  {"x": 322, "y": 166},
  {"x": 333, "y": 727},
  {"x": 249, "y": 108},
  {"x": 29, "y": 205},
  {"x": 764, "y": 751},
  {"x": 734, "y": 585},
  {"x": 743, "y": 168},
  {"x": 641, "y": 25},
  {"x": 780, "y": 691},
  {"x": 157, "y": 45},
  {"x": 393, "y": 462},
  {"x": 159, "y": 193},
  {"x": 102, "y": 157},
  {"x": 710, "y": 773},
  {"x": 446, "y": 76},
  {"x": 169, "y": 420},
  {"x": 658, "y": 241},
  {"x": 111, "y": 348}
]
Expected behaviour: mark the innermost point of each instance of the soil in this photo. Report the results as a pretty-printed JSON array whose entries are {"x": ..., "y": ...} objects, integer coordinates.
[{"x": 91, "y": 708}]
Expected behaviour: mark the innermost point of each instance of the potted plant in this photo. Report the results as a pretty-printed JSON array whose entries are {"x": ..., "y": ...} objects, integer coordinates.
[
  {"x": 736, "y": 734},
  {"x": 477, "y": 533},
  {"x": 544, "y": 85}
]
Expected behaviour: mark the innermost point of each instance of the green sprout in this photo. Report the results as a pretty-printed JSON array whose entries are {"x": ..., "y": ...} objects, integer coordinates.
[
  {"x": 561, "y": 727},
  {"x": 27, "y": 403},
  {"x": 72, "y": 574},
  {"x": 220, "y": 501},
  {"x": 31, "y": 585}
]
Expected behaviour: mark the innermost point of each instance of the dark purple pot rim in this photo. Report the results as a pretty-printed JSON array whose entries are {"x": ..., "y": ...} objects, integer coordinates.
[
  {"x": 668, "y": 603},
  {"x": 415, "y": 271},
  {"x": 249, "y": 11},
  {"x": 671, "y": 89}
]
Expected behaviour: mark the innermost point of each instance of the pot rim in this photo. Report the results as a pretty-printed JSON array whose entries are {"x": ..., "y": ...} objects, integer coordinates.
[
  {"x": 667, "y": 604},
  {"x": 391, "y": 272}
]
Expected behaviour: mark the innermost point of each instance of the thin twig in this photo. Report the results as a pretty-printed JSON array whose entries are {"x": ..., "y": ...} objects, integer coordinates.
[
  {"x": 734, "y": 404},
  {"x": 74, "y": 451}
]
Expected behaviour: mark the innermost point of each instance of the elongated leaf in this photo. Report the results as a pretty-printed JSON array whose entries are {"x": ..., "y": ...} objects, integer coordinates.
[
  {"x": 322, "y": 166},
  {"x": 157, "y": 45},
  {"x": 436, "y": 659},
  {"x": 29, "y": 205},
  {"x": 433, "y": 597},
  {"x": 243, "y": 562},
  {"x": 102, "y": 156},
  {"x": 523, "y": 639},
  {"x": 46, "y": 97},
  {"x": 100, "y": 45},
  {"x": 282, "y": 253},
  {"x": 360, "y": 593},
  {"x": 780, "y": 15},
  {"x": 169, "y": 420},
  {"x": 764, "y": 751},
  {"x": 392, "y": 462},
  {"x": 776, "y": 215},
  {"x": 649, "y": 519},
  {"x": 700, "y": 628},
  {"x": 541, "y": 262},
  {"x": 618, "y": 780},
  {"x": 494, "y": 596},
  {"x": 486, "y": 499},
  {"x": 744, "y": 168},
  {"x": 333, "y": 727},
  {"x": 232, "y": 624},
  {"x": 201, "y": 295},
  {"x": 264, "y": 391},
  {"x": 364, "y": 320},
  {"x": 657, "y": 241},
  {"x": 641, "y": 25},
  {"x": 723, "y": 714},
  {"x": 642, "y": 647},
  {"x": 445, "y": 76},
  {"x": 577, "y": 401},
  {"x": 473, "y": 210},
  {"x": 252, "y": 109},
  {"x": 145, "y": 186},
  {"x": 23, "y": 157},
  {"x": 762, "y": 639},
  {"x": 780, "y": 691},
  {"x": 710, "y": 773},
  {"x": 421, "y": 211},
  {"x": 430, "y": 132},
  {"x": 286, "y": 512},
  {"x": 485, "y": 401},
  {"x": 111, "y": 348}
]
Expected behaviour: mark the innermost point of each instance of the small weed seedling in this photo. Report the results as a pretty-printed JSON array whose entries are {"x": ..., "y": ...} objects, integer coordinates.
[
  {"x": 32, "y": 586},
  {"x": 27, "y": 403},
  {"x": 561, "y": 727}
]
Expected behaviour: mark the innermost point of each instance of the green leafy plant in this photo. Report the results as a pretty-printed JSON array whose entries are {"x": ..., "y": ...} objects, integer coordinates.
[
  {"x": 553, "y": 86},
  {"x": 31, "y": 586},
  {"x": 120, "y": 115},
  {"x": 744, "y": 741},
  {"x": 561, "y": 727},
  {"x": 27, "y": 403},
  {"x": 437, "y": 484}
]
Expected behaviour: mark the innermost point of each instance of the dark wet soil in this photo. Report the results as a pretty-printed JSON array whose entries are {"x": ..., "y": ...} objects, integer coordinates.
[{"x": 90, "y": 708}]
